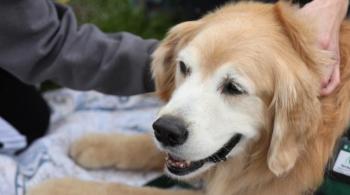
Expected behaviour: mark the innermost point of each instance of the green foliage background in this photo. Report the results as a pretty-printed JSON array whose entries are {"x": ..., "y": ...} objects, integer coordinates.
[{"x": 122, "y": 15}]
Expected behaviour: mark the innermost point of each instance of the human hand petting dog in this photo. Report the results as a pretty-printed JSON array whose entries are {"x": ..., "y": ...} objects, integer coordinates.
[{"x": 328, "y": 16}]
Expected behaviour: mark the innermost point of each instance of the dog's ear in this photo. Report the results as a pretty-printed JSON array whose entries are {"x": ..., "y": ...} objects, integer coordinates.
[
  {"x": 295, "y": 102},
  {"x": 297, "y": 112},
  {"x": 164, "y": 57}
]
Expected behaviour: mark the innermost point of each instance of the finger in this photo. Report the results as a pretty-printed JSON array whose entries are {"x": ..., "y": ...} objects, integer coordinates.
[{"x": 333, "y": 82}]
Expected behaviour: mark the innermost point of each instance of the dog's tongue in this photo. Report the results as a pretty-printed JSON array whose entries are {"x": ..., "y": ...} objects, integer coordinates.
[{"x": 177, "y": 162}]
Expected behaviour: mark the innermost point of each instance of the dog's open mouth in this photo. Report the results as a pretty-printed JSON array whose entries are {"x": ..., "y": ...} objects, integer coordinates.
[{"x": 181, "y": 167}]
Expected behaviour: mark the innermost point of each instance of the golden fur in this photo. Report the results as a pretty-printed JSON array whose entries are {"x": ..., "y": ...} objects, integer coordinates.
[{"x": 302, "y": 128}]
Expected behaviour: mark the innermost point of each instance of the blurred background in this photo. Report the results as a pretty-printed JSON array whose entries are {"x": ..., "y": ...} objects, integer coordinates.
[{"x": 146, "y": 18}]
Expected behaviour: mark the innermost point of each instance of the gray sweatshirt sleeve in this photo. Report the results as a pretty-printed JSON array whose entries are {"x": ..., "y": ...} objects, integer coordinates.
[{"x": 40, "y": 40}]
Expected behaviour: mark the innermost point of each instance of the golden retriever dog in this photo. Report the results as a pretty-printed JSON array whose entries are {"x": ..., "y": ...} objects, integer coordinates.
[{"x": 243, "y": 112}]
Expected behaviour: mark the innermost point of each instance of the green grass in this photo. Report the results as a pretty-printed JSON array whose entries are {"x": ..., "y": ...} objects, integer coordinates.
[{"x": 121, "y": 15}]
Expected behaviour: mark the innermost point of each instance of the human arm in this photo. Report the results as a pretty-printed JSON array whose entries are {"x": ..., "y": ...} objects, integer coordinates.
[
  {"x": 41, "y": 40},
  {"x": 328, "y": 16}
]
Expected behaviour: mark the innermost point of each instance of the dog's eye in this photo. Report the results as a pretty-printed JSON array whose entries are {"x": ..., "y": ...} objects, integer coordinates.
[
  {"x": 231, "y": 88},
  {"x": 184, "y": 69}
]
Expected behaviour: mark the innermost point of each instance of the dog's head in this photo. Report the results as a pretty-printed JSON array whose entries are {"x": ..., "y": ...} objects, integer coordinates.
[{"x": 245, "y": 73}]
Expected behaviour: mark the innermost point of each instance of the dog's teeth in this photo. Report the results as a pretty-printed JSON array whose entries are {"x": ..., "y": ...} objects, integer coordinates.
[{"x": 177, "y": 162}]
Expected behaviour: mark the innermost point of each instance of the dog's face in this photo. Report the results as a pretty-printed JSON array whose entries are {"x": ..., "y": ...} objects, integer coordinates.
[{"x": 231, "y": 79}]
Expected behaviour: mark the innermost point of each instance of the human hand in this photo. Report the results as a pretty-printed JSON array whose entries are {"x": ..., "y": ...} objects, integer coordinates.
[{"x": 328, "y": 16}]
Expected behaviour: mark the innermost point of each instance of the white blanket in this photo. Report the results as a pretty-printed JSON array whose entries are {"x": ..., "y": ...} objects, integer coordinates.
[
  {"x": 75, "y": 114},
  {"x": 10, "y": 139}
]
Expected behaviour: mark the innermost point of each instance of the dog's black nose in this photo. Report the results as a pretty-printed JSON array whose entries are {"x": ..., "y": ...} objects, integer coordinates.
[{"x": 170, "y": 131}]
